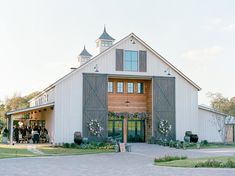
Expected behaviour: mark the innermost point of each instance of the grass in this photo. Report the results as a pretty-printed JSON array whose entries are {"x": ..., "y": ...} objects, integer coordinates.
[
  {"x": 8, "y": 151},
  {"x": 213, "y": 145},
  {"x": 193, "y": 162},
  {"x": 71, "y": 151},
  {"x": 20, "y": 150}
]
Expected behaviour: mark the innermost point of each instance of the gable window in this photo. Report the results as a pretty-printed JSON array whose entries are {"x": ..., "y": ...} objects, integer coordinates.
[
  {"x": 130, "y": 60},
  {"x": 130, "y": 87},
  {"x": 110, "y": 86},
  {"x": 140, "y": 88},
  {"x": 119, "y": 87}
]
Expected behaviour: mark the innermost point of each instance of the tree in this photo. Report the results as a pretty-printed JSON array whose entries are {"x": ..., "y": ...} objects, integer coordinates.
[
  {"x": 2, "y": 115},
  {"x": 18, "y": 102},
  {"x": 222, "y": 104}
]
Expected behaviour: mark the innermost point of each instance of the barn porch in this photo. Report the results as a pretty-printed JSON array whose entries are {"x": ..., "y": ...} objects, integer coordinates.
[{"x": 22, "y": 122}]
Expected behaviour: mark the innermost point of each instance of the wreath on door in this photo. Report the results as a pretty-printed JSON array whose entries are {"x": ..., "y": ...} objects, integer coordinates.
[
  {"x": 95, "y": 128},
  {"x": 164, "y": 127}
]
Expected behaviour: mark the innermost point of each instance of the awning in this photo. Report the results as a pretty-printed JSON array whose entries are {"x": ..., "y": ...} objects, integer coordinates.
[{"x": 30, "y": 109}]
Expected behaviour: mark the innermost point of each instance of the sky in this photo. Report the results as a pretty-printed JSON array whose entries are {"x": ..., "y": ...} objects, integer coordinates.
[{"x": 40, "y": 40}]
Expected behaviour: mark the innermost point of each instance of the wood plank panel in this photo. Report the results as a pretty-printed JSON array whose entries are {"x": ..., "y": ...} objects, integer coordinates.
[{"x": 118, "y": 102}]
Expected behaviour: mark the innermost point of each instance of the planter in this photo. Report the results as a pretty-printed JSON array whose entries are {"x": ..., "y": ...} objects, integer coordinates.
[
  {"x": 116, "y": 147},
  {"x": 198, "y": 146}
]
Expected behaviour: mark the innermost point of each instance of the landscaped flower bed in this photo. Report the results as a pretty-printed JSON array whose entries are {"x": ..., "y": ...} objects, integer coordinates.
[
  {"x": 92, "y": 145},
  {"x": 168, "y": 158},
  {"x": 207, "y": 162}
]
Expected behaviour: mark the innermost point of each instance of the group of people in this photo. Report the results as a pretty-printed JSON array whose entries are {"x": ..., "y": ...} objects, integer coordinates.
[{"x": 30, "y": 134}]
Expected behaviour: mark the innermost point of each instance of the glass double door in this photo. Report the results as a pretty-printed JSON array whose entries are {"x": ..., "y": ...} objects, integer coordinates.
[
  {"x": 135, "y": 131},
  {"x": 115, "y": 129}
]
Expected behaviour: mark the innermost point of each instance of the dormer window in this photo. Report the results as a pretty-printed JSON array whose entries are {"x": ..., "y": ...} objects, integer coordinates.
[
  {"x": 127, "y": 60},
  {"x": 131, "y": 60}
]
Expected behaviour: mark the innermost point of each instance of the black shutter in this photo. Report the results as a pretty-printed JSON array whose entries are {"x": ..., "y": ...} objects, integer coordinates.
[
  {"x": 164, "y": 105},
  {"x": 142, "y": 61},
  {"x": 119, "y": 59},
  {"x": 95, "y": 102}
]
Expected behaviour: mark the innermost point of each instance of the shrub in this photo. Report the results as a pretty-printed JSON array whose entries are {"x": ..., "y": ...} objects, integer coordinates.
[
  {"x": 204, "y": 142},
  {"x": 169, "y": 158},
  {"x": 73, "y": 145},
  {"x": 216, "y": 164},
  {"x": 5, "y": 133},
  {"x": 189, "y": 145},
  {"x": 172, "y": 143},
  {"x": 66, "y": 145}
]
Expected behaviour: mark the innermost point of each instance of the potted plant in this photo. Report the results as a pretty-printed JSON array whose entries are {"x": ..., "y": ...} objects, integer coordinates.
[
  {"x": 77, "y": 138},
  {"x": 198, "y": 145},
  {"x": 5, "y": 135}
]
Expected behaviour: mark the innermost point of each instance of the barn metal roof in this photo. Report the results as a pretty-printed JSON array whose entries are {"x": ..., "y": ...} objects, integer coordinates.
[
  {"x": 85, "y": 52},
  {"x": 106, "y": 36}
]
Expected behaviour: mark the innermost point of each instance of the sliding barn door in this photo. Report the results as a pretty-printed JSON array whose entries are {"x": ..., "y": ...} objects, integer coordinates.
[
  {"x": 164, "y": 105},
  {"x": 95, "y": 102}
]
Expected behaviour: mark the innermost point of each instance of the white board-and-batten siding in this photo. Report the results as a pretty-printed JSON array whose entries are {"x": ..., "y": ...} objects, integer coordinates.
[
  {"x": 210, "y": 125},
  {"x": 68, "y": 93}
]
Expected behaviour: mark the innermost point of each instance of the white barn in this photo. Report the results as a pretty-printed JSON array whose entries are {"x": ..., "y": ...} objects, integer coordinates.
[
  {"x": 213, "y": 125},
  {"x": 126, "y": 78}
]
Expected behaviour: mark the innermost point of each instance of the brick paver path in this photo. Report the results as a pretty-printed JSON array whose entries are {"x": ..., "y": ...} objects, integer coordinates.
[{"x": 137, "y": 163}]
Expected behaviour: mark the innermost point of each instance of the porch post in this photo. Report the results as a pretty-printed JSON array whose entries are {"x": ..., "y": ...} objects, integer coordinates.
[
  {"x": 125, "y": 129},
  {"x": 11, "y": 128}
]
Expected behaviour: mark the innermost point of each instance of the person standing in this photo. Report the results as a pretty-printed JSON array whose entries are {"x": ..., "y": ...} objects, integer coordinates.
[{"x": 16, "y": 134}]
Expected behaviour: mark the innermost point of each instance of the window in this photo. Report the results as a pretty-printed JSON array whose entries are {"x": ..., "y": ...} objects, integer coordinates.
[
  {"x": 140, "y": 88},
  {"x": 130, "y": 61},
  {"x": 106, "y": 43},
  {"x": 110, "y": 86},
  {"x": 119, "y": 87},
  {"x": 130, "y": 87}
]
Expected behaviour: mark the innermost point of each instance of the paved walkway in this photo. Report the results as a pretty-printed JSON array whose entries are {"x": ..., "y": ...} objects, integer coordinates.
[
  {"x": 32, "y": 148},
  {"x": 137, "y": 163}
]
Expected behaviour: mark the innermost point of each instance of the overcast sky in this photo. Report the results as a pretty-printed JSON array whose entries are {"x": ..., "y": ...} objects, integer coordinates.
[{"x": 40, "y": 40}]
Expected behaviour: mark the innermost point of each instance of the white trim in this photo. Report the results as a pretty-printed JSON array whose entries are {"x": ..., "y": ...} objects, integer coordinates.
[
  {"x": 111, "y": 47},
  {"x": 167, "y": 62},
  {"x": 30, "y": 109},
  {"x": 211, "y": 110}
]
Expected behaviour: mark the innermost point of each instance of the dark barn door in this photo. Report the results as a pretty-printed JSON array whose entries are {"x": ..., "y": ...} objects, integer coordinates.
[
  {"x": 164, "y": 105},
  {"x": 95, "y": 102}
]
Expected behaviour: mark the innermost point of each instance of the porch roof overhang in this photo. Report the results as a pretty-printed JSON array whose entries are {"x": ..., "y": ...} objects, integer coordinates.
[{"x": 30, "y": 109}]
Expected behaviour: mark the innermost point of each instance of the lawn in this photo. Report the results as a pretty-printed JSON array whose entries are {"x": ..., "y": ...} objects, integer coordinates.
[
  {"x": 194, "y": 161},
  {"x": 10, "y": 151},
  {"x": 213, "y": 145},
  {"x": 48, "y": 150}
]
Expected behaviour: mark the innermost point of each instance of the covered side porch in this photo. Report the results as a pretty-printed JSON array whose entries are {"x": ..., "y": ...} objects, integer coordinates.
[{"x": 24, "y": 124}]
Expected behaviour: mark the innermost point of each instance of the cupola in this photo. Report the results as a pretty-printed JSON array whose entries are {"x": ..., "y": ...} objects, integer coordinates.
[
  {"x": 104, "y": 41},
  {"x": 84, "y": 56}
]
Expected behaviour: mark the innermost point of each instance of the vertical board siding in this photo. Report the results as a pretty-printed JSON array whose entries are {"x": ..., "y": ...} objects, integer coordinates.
[
  {"x": 164, "y": 104},
  {"x": 95, "y": 102},
  {"x": 119, "y": 59},
  {"x": 68, "y": 93},
  {"x": 142, "y": 61},
  {"x": 210, "y": 124}
]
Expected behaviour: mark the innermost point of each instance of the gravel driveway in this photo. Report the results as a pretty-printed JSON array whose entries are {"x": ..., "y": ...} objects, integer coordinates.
[{"x": 137, "y": 163}]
